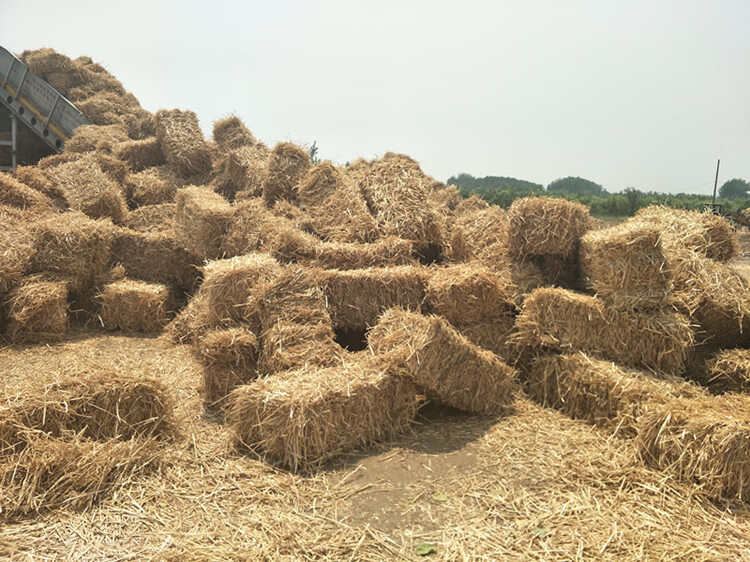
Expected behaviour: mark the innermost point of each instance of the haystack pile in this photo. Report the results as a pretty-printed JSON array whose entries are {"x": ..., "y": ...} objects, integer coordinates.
[{"x": 326, "y": 303}]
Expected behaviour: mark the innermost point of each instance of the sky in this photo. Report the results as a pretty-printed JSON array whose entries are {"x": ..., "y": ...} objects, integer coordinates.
[{"x": 645, "y": 94}]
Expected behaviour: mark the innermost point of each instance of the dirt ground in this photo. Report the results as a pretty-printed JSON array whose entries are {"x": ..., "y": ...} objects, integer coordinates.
[{"x": 532, "y": 485}]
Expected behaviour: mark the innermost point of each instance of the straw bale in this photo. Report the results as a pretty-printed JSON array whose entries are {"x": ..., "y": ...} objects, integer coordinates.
[
  {"x": 471, "y": 204},
  {"x": 705, "y": 233},
  {"x": 45, "y": 61},
  {"x": 469, "y": 293},
  {"x": 562, "y": 320},
  {"x": 134, "y": 306},
  {"x": 451, "y": 370},
  {"x": 230, "y": 358},
  {"x": 729, "y": 371},
  {"x": 287, "y": 165},
  {"x": 484, "y": 230},
  {"x": 527, "y": 275},
  {"x": 16, "y": 248},
  {"x": 38, "y": 179},
  {"x": 384, "y": 252},
  {"x": 115, "y": 169},
  {"x": 231, "y": 133},
  {"x": 302, "y": 418},
  {"x": 228, "y": 284},
  {"x": 191, "y": 323},
  {"x": 71, "y": 474},
  {"x": 38, "y": 311},
  {"x": 626, "y": 265},
  {"x": 202, "y": 219},
  {"x": 16, "y": 194},
  {"x": 396, "y": 190},
  {"x": 71, "y": 247},
  {"x": 95, "y": 404},
  {"x": 293, "y": 215},
  {"x": 150, "y": 187},
  {"x": 705, "y": 440},
  {"x": 356, "y": 298},
  {"x": 540, "y": 225},
  {"x": 338, "y": 210},
  {"x": 248, "y": 168},
  {"x": 151, "y": 218},
  {"x": 444, "y": 197},
  {"x": 182, "y": 143},
  {"x": 90, "y": 138},
  {"x": 715, "y": 296},
  {"x": 250, "y": 227},
  {"x": 599, "y": 391},
  {"x": 140, "y": 154},
  {"x": 155, "y": 257},
  {"x": 493, "y": 335},
  {"x": 89, "y": 189},
  {"x": 296, "y": 327}
]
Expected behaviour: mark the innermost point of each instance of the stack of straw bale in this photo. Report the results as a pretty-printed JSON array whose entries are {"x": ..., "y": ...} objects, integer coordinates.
[
  {"x": 151, "y": 186},
  {"x": 202, "y": 219},
  {"x": 182, "y": 143},
  {"x": 338, "y": 210},
  {"x": 301, "y": 418},
  {"x": 37, "y": 310},
  {"x": 230, "y": 359},
  {"x": 356, "y": 298},
  {"x": 140, "y": 154},
  {"x": 599, "y": 391},
  {"x": 561, "y": 320},
  {"x": 134, "y": 306},
  {"x": 442, "y": 363},
  {"x": 287, "y": 165}
]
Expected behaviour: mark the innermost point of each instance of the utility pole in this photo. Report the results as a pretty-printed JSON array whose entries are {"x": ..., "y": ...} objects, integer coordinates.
[{"x": 716, "y": 182}]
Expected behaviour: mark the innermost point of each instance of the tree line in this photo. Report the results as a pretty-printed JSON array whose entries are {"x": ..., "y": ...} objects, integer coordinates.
[{"x": 733, "y": 194}]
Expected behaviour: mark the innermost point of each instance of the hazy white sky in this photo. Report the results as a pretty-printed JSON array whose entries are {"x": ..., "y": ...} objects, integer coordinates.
[{"x": 625, "y": 93}]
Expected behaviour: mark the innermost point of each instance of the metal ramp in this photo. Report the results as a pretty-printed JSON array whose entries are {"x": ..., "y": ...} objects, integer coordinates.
[{"x": 38, "y": 105}]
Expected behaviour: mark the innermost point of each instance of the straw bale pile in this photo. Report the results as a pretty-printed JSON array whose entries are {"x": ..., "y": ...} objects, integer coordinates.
[
  {"x": 134, "y": 306},
  {"x": 356, "y": 298},
  {"x": 151, "y": 186},
  {"x": 71, "y": 247},
  {"x": 705, "y": 440},
  {"x": 627, "y": 266},
  {"x": 338, "y": 210},
  {"x": 540, "y": 226},
  {"x": 202, "y": 218},
  {"x": 599, "y": 391},
  {"x": 37, "y": 310},
  {"x": 151, "y": 218},
  {"x": 301, "y": 418},
  {"x": 95, "y": 138},
  {"x": 54, "y": 473},
  {"x": 231, "y": 133},
  {"x": 247, "y": 168},
  {"x": 111, "y": 166},
  {"x": 140, "y": 154},
  {"x": 287, "y": 165},
  {"x": 729, "y": 371},
  {"x": 182, "y": 143},
  {"x": 443, "y": 363},
  {"x": 230, "y": 359},
  {"x": 561, "y": 320},
  {"x": 14, "y": 193},
  {"x": 155, "y": 257},
  {"x": 705, "y": 233}
]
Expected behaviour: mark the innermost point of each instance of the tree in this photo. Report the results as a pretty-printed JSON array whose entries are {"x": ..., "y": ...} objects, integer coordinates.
[
  {"x": 633, "y": 197},
  {"x": 575, "y": 185},
  {"x": 314, "y": 152},
  {"x": 734, "y": 189}
]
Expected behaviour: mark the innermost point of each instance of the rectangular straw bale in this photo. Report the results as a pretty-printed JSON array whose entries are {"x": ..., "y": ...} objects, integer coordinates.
[
  {"x": 231, "y": 133},
  {"x": 248, "y": 167},
  {"x": 182, "y": 143},
  {"x": 527, "y": 275},
  {"x": 54, "y": 473},
  {"x": 16, "y": 249},
  {"x": 16, "y": 194},
  {"x": 96, "y": 138},
  {"x": 301, "y": 418},
  {"x": 250, "y": 228},
  {"x": 228, "y": 284},
  {"x": 356, "y": 298},
  {"x": 729, "y": 371},
  {"x": 155, "y": 257},
  {"x": 484, "y": 229},
  {"x": 151, "y": 218},
  {"x": 715, "y": 296},
  {"x": 191, "y": 323},
  {"x": 337, "y": 207},
  {"x": 96, "y": 404},
  {"x": 599, "y": 391},
  {"x": 37, "y": 311},
  {"x": 140, "y": 154},
  {"x": 540, "y": 225},
  {"x": 230, "y": 359},
  {"x": 705, "y": 440},
  {"x": 134, "y": 306},
  {"x": 38, "y": 179},
  {"x": 287, "y": 165},
  {"x": 562, "y": 320},
  {"x": 442, "y": 362},
  {"x": 468, "y": 293},
  {"x": 202, "y": 219},
  {"x": 626, "y": 266},
  {"x": 705, "y": 233},
  {"x": 72, "y": 247},
  {"x": 151, "y": 186},
  {"x": 493, "y": 335}
]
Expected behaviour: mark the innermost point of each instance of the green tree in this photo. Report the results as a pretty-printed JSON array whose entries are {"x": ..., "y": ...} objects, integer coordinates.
[
  {"x": 575, "y": 185},
  {"x": 633, "y": 197},
  {"x": 734, "y": 189}
]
